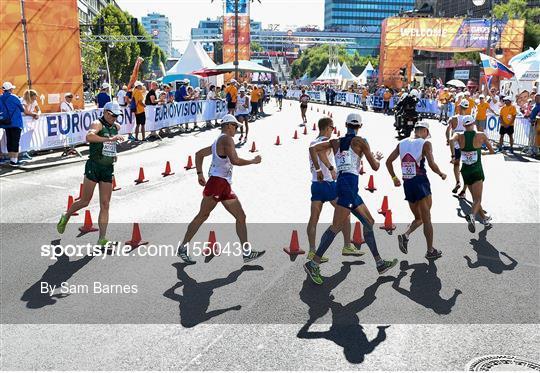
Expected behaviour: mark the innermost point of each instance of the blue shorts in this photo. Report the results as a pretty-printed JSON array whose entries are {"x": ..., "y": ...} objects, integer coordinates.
[
  {"x": 347, "y": 191},
  {"x": 457, "y": 154},
  {"x": 416, "y": 188},
  {"x": 324, "y": 191}
]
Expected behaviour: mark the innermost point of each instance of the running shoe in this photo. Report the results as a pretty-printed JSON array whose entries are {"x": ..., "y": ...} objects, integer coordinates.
[
  {"x": 254, "y": 255},
  {"x": 241, "y": 137},
  {"x": 314, "y": 272},
  {"x": 386, "y": 265},
  {"x": 487, "y": 221},
  {"x": 105, "y": 243},
  {"x": 351, "y": 250},
  {"x": 461, "y": 195},
  {"x": 403, "y": 243},
  {"x": 17, "y": 164},
  {"x": 61, "y": 226},
  {"x": 433, "y": 254},
  {"x": 131, "y": 138},
  {"x": 26, "y": 156},
  {"x": 470, "y": 223},
  {"x": 456, "y": 188},
  {"x": 183, "y": 254},
  {"x": 311, "y": 254}
]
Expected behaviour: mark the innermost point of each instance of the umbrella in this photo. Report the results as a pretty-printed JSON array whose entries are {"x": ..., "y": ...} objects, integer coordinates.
[
  {"x": 456, "y": 83},
  {"x": 243, "y": 65},
  {"x": 206, "y": 72}
]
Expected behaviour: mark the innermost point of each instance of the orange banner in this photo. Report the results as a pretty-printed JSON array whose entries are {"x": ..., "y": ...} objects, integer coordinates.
[
  {"x": 54, "y": 50},
  {"x": 244, "y": 50}
]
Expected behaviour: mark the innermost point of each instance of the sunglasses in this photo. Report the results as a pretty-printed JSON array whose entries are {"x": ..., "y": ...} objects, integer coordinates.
[{"x": 113, "y": 114}]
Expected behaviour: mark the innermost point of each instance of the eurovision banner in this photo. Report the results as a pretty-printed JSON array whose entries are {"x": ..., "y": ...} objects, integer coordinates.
[{"x": 58, "y": 130}]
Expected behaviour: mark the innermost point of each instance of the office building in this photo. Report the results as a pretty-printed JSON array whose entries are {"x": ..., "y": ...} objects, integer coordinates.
[
  {"x": 159, "y": 27},
  {"x": 363, "y": 17},
  {"x": 88, "y": 9}
]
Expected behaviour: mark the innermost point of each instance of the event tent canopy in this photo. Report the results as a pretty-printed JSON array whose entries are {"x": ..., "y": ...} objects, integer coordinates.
[
  {"x": 330, "y": 75},
  {"x": 415, "y": 71},
  {"x": 243, "y": 65},
  {"x": 344, "y": 72},
  {"x": 194, "y": 58},
  {"x": 362, "y": 78}
]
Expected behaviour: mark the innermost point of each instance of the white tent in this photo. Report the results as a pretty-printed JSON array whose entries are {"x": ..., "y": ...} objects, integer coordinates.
[
  {"x": 362, "y": 78},
  {"x": 194, "y": 58},
  {"x": 330, "y": 75},
  {"x": 345, "y": 73},
  {"x": 415, "y": 71},
  {"x": 527, "y": 62}
]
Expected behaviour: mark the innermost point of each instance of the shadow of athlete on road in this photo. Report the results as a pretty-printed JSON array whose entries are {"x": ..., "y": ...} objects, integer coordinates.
[
  {"x": 425, "y": 287},
  {"x": 488, "y": 256},
  {"x": 346, "y": 330},
  {"x": 195, "y": 298},
  {"x": 61, "y": 271}
]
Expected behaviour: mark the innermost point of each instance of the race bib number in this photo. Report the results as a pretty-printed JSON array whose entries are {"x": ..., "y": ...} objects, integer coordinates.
[
  {"x": 469, "y": 158},
  {"x": 343, "y": 161},
  {"x": 109, "y": 149},
  {"x": 408, "y": 170}
]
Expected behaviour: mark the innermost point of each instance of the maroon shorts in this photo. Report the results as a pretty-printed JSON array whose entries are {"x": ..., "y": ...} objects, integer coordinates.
[{"x": 218, "y": 188}]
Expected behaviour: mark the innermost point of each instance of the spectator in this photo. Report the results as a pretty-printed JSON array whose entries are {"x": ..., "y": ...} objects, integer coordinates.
[
  {"x": 386, "y": 101},
  {"x": 534, "y": 117},
  {"x": 507, "y": 118},
  {"x": 103, "y": 97},
  {"x": 196, "y": 94},
  {"x": 231, "y": 94},
  {"x": 168, "y": 92},
  {"x": 152, "y": 97},
  {"x": 481, "y": 113},
  {"x": 12, "y": 109},
  {"x": 444, "y": 99},
  {"x": 242, "y": 112},
  {"x": 121, "y": 96},
  {"x": 30, "y": 104},
  {"x": 140, "y": 116},
  {"x": 255, "y": 98},
  {"x": 66, "y": 106},
  {"x": 181, "y": 93}
]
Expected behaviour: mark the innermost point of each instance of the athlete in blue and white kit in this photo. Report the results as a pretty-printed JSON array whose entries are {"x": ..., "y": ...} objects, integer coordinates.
[
  {"x": 348, "y": 150},
  {"x": 413, "y": 152},
  {"x": 325, "y": 191}
]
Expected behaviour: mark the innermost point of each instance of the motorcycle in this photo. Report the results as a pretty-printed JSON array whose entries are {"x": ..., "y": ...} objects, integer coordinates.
[{"x": 405, "y": 122}]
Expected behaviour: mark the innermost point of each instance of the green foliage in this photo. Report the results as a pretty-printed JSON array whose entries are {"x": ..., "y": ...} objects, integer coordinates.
[
  {"x": 313, "y": 61},
  {"x": 466, "y": 56},
  {"x": 218, "y": 52},
  {"x": 256, "y": 47},
  {"x": 518, "y": 9},
  {"x": 92, "y": 60},
  {"x": 122, "y": 56}
]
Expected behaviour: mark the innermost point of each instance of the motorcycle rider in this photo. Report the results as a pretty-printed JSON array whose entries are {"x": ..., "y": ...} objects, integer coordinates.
[{"x": 405, "y": 111}]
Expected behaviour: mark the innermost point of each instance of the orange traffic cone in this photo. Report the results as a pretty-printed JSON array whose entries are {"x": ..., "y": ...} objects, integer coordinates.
[
  {"x": 210, "y": 248},
  {"x": 167, "y": 170},
  {"x": 305, "y": 130},
  {"x": 371, "y": 184},
  {"x": 295, "y": 137},
  {"x": 114, "y": 187},
  {"x": 388, "y": 225},
  {"x": 80, "y": 193},
  {"x": 141, "y": 178},
  {"x": 88, "y": 226},
  {"x": 384, "y": 206},
  {"x": 314, "y": 127},
  {"x": 277, "y": 141},
  {"x": 136, "y": 239},
  {"x": 253, "y": 147},
  {"x": 189, "y": 164},
  {"x": 70, "y": 202},
  {"x": 294, "y": 246},
  {"x": 358, "y": 239}
]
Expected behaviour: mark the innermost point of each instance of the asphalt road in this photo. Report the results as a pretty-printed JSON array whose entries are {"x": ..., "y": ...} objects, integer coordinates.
[{"x": 481, "y": 298}]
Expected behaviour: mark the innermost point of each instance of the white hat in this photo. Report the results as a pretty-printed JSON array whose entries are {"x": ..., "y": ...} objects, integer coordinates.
[
  {"x": 481, "y": 96},
  {"x": 423, "y": 124},
  {"x": 242, "y": 89},
  {"x": 8, "y": 86},
  {"x": 197, "y": 89},
  {"x": 468, "y": 120},
  {"x": 68, "y": 94},
  {"x": 354, "y": 118},
  {"x": 113, "y": 107},
  {"x": 464, "y": 104},
  {"x": 467, "y": 93},
  {"x": 138, "y": 84},
  {"x": 229, "y": 118},
  {"x": 507, "y": 98},
  {"x": 105, "y": 86},
  {"x": 185, "y": 81},
  {"x": 414, "y": 92},
  {"x": 445, "y": 89}
]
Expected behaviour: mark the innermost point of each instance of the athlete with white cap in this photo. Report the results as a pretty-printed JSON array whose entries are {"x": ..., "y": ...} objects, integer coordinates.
[
  {"x": 455, "y": 124},
  {"x": 218, "y": 188},
  {"x": 99, "y": 169},
  {"x": 349, "y": 151},
  {"x": 413, "y": 153}
]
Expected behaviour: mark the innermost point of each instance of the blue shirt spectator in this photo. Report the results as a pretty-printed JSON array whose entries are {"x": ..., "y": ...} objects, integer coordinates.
[
  {"x": 181, "y": 94},
  {"x": 13, "y": 106},
  {"x": 102, "y": 98},
  {"x": 536, "y": 110}
]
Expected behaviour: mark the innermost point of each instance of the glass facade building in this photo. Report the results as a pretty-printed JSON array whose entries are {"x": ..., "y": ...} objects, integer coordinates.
[
  {"x": 364, "y": 17},
  {"x": 159, "y": 27}
]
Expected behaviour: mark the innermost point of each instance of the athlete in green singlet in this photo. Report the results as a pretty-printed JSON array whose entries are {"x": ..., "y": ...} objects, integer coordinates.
[
  {"x": 470, "y": 143},
  {"x": 99, "y": 168}
]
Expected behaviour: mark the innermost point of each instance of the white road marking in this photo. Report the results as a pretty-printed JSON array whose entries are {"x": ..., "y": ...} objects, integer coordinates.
[{"x": 33, "y": 183}]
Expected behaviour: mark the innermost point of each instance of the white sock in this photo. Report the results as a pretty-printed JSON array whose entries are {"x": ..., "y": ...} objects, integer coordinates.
[{"x": 14, "y": 160}]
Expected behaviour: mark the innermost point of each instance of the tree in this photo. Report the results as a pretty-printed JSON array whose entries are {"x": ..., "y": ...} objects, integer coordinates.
[
  {"x": 256, "y": 47},
  {"x": 519, "y": 9},
  {"x": 92, "y": 60},
  {"x": 466, "y": 56}
]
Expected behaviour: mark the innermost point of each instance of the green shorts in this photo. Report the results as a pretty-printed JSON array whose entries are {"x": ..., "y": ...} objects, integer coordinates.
[
  {"x": 472, "y": 176},
  {"x": 97, "y": 172}
]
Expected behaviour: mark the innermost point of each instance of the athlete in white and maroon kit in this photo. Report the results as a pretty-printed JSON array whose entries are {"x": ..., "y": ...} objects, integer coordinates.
[
  {"x": 218, "y": 187},
  {"x": 413, "y": 153}
]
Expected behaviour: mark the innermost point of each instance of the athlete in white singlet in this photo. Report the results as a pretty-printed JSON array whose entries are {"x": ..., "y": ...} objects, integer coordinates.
[{"x": 455, "y": 125}]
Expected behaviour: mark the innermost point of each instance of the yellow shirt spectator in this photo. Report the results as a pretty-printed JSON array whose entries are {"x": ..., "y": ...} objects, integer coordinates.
[
  {"x": 255, "y": 95},
  {"x": 365, "y": 93},
  {"x": 231, "y": 89},
  {"x": 481, "y": 110},
  {"x": 444, "y": 97},
  {"x": 508, "y": 115},
  {"x": 387, "y": 96},
  {"x": 139, "y": 100}
]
